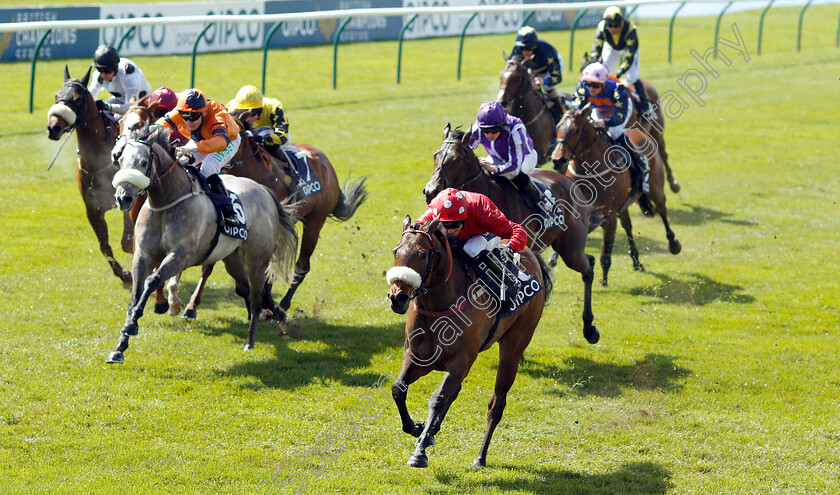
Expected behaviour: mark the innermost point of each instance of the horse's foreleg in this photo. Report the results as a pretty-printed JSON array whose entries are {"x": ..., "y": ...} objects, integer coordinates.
[
  {"x": 191, "y": 310},
  {"x": 674, "y": 245},
  {"x": 311, "y": 231},
  {"x": 660, "y": 143},
  {"x": 438, "y": 406},
  {"x": 510, "y": 353},
  {"x": 161, "y": 304},
  {"x": 172, "y": 299},
  {"x": 96, "y": 218},
  {"x": 409, "y": 373},
  {"x": 606, "y": 252},
  {"x": 627, "y": 224}
]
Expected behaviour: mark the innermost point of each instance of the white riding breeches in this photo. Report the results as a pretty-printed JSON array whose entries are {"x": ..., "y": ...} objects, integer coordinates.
[
  {"x": 213, "y": 163},
  {"x": 529, "y": 163},
  {"x": 611, "y": 59}
]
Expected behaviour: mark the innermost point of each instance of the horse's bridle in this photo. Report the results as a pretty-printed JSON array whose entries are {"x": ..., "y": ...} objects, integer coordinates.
[
  {"x": 420, "y": 290},
  {"x": 80, "y": 112},
  {"x": 575, "y": 153},
  {"x": 439, "y": 168}
]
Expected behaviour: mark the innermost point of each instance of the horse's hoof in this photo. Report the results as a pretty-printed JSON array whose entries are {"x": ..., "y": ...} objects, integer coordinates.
[
  {"x": 639, "y": 267},
  {"x": 126, "y": 278},
  {"x": 116, "y": 357},
  {"x": 279, "y": 314},
  {"x": 604, "y": 282},
  {"x": 161, "y": 308},
  {"x": 174, "y": 309},
  {"x": 675, "y": 247},
  {"x": 418, "y": 461},
  {"x": 479, "y": 463},
  {"x": 592, "y": 335},
  {"x": 248, "y": 347},
  {"x": 675, "y": 186},
  {"x": 130, "y": 330},
  {"x": 189, "y": 314}
]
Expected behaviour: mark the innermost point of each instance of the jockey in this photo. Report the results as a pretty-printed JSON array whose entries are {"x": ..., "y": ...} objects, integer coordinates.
[
  {"x": 167, "y": 100},
  {"x": 510, "y": 151},
  {"x": 266, "y": 117},
  {"x": 622, "y": 44},
  {"x": 214, "y": 139},
  {"x": 612, "y": 103},
  {"x": 119, "y": 76},
  {"x": 471, "y": 216},
  {"x": 547, "y": 62}
]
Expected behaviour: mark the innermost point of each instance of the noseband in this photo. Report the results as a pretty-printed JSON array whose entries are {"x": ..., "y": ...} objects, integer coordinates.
[
  {"x": 420, "y": 289},
  {"x": 80, "y": 112}
]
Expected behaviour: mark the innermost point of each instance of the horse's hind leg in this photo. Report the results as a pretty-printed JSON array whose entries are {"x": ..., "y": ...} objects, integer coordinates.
[
  {"x": 576, "y": 259},
  {"x": 606, "y": 251},
  {"x": 511, "y": 349},
  {"x": 674, "y": 245},
  {"x": 627, "y": 224},
  {"x": 191, "y": 311},
  {"x": 311, "y": 231},
  {"x": 100, "y": 228},
  {"x": 660, "y": 144}
]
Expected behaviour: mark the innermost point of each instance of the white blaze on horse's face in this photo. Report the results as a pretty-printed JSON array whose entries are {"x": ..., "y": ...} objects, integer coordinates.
[{"x": 131, "y": 122}]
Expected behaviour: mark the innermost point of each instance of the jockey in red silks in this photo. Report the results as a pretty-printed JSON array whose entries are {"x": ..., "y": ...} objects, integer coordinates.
[{"x": 469, "y": 215}]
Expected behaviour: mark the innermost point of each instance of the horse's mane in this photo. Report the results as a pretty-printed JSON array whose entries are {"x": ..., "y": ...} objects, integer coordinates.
[{"x": 457, "y": 133}]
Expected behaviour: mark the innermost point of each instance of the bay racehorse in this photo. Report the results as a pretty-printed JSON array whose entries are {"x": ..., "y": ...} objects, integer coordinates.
[
  {"x": 75, "y": 109},
  {"x": 177, "y": 227},
  {"x": 451, "y": 320},
  {"x": 602, "y": 171},
  {"x": 329, "y": 200},
  {"x": 522, "y": 99},
  {"x": 655, "y": 130},
  {"x": 457, "y": 166}
]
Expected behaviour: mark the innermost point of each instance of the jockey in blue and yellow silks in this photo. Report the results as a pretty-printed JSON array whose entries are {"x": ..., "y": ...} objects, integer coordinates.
[
  {"x": 612, "y": 111},
  {"x": 546, "y": 62}
]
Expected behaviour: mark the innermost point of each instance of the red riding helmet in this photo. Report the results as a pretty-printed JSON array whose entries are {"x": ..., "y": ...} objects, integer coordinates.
[
  {"x": 168, "y": 99},
  {"x": 191, "y": 100},
  {"x": 450, "y": 204}
]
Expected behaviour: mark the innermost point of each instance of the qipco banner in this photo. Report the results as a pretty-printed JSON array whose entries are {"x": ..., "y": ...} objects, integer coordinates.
[
  {"x": 312, "y": 32},
  {"x": 180, "y": 38},
  {"x": 58, "y": 44}
]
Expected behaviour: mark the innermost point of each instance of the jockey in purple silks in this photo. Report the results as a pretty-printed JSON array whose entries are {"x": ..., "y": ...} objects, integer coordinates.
[{"x": 510, "y": 151}]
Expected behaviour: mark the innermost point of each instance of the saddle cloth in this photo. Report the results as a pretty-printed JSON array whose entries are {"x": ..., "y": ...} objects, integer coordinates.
[
  {"x": 308, "y": 183},
  {"x": 519, "y": 286},
  {"x": 238, "y": 231}
]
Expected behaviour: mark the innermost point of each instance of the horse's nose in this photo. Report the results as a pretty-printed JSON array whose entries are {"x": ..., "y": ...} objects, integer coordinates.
[
  {"x": 429, "y": 192},
  {"x": 53, "y": 132},
  {"x": 399, "y": 302},
  {"x": 123, "y": 200}
]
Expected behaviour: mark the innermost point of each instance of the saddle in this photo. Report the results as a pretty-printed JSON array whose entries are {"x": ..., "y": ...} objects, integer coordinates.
[{"x": 500, "y": 274}]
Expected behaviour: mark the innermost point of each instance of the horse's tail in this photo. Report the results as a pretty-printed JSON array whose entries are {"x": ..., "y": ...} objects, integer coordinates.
[
  {"x": 547, "y": 275},
  {"x": 352, "y": 195},
  {"x": 287, "y": 244}
]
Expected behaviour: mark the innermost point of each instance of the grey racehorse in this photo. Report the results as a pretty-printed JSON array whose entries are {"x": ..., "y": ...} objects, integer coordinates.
[{"x": 177, "y": 228}]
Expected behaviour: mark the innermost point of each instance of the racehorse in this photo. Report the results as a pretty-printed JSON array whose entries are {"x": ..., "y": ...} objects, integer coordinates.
[
  {"x": 457, "y": 166},
  {"x": 521, "y": 99},
  {"x": 166, "y": 241},
  {"x": 254, "y": 162},
  {"x": 452, "y": 319},
  {"x": 602, "y": 170},
  {"x": 75, "y": 109},
  {"x": 655, "y": 130}
]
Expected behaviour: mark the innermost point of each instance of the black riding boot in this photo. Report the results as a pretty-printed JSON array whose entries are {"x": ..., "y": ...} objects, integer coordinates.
[
  {"x": 644, "y": 107},
  {"x": 504, "y": 270},
  {"x": 524, "y": 183},
  {"x": 556, "y": 105},
  {"x": 639, "y": 170},
  {"x": 226, "y": 207}
]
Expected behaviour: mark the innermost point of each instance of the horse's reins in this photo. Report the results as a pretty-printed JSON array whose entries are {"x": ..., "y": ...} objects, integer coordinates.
[
  {"x": 155, "y": 177},
  {"x": 521, "y": 94},
  {"x": 581, "y": 140},
  {"x": 420, "y": 290},
  {"x": 80, "y": 113},
  {"x": 439, "y": 168}
]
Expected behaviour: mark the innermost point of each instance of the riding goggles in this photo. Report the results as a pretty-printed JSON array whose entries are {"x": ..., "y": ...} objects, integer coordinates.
[
  {"x": 190, "y": 116},
  {"x": 492, "y": 130},
  {"x": 454, "y": 224}
]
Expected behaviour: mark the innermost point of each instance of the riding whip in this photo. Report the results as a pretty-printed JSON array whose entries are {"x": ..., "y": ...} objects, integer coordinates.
[{"x": 60, "y": 148}]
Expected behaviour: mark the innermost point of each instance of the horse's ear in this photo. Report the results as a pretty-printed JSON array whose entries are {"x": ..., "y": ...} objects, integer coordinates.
[
  {"x": 433, "y": 225},
  {"x": 86, "y": 78},
  {"x": 406, "y": 222},
  {"x": 582, "y": 110},
  {"x": 66, "y": 72},
  {"x": 155, "y": 133},
  {"x": 504, "y": 56},
  {"x": 446, "y": 130}
]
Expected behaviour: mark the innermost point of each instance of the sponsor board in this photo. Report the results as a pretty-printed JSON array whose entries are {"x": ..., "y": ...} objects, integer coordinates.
[{"x": 58, "y": 44}]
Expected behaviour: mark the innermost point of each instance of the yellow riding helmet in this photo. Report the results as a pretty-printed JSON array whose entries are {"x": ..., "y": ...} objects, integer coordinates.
[
  {"x": 248, "y": 97},
  {"x": 613, "y": 14}
]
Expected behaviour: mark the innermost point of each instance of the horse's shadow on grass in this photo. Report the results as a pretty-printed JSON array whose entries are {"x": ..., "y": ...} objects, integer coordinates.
[
  {"x": 689, "y": 214},
  {"x": 634, "y": 478},
  {"x": 696, "y": 289},
  {"x": 311, "y": 352},
  {"x": 586, "y": 377}
]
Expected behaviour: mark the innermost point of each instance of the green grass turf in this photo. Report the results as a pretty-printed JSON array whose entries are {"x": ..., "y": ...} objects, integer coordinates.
[{"x": 716, "y": 371}]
